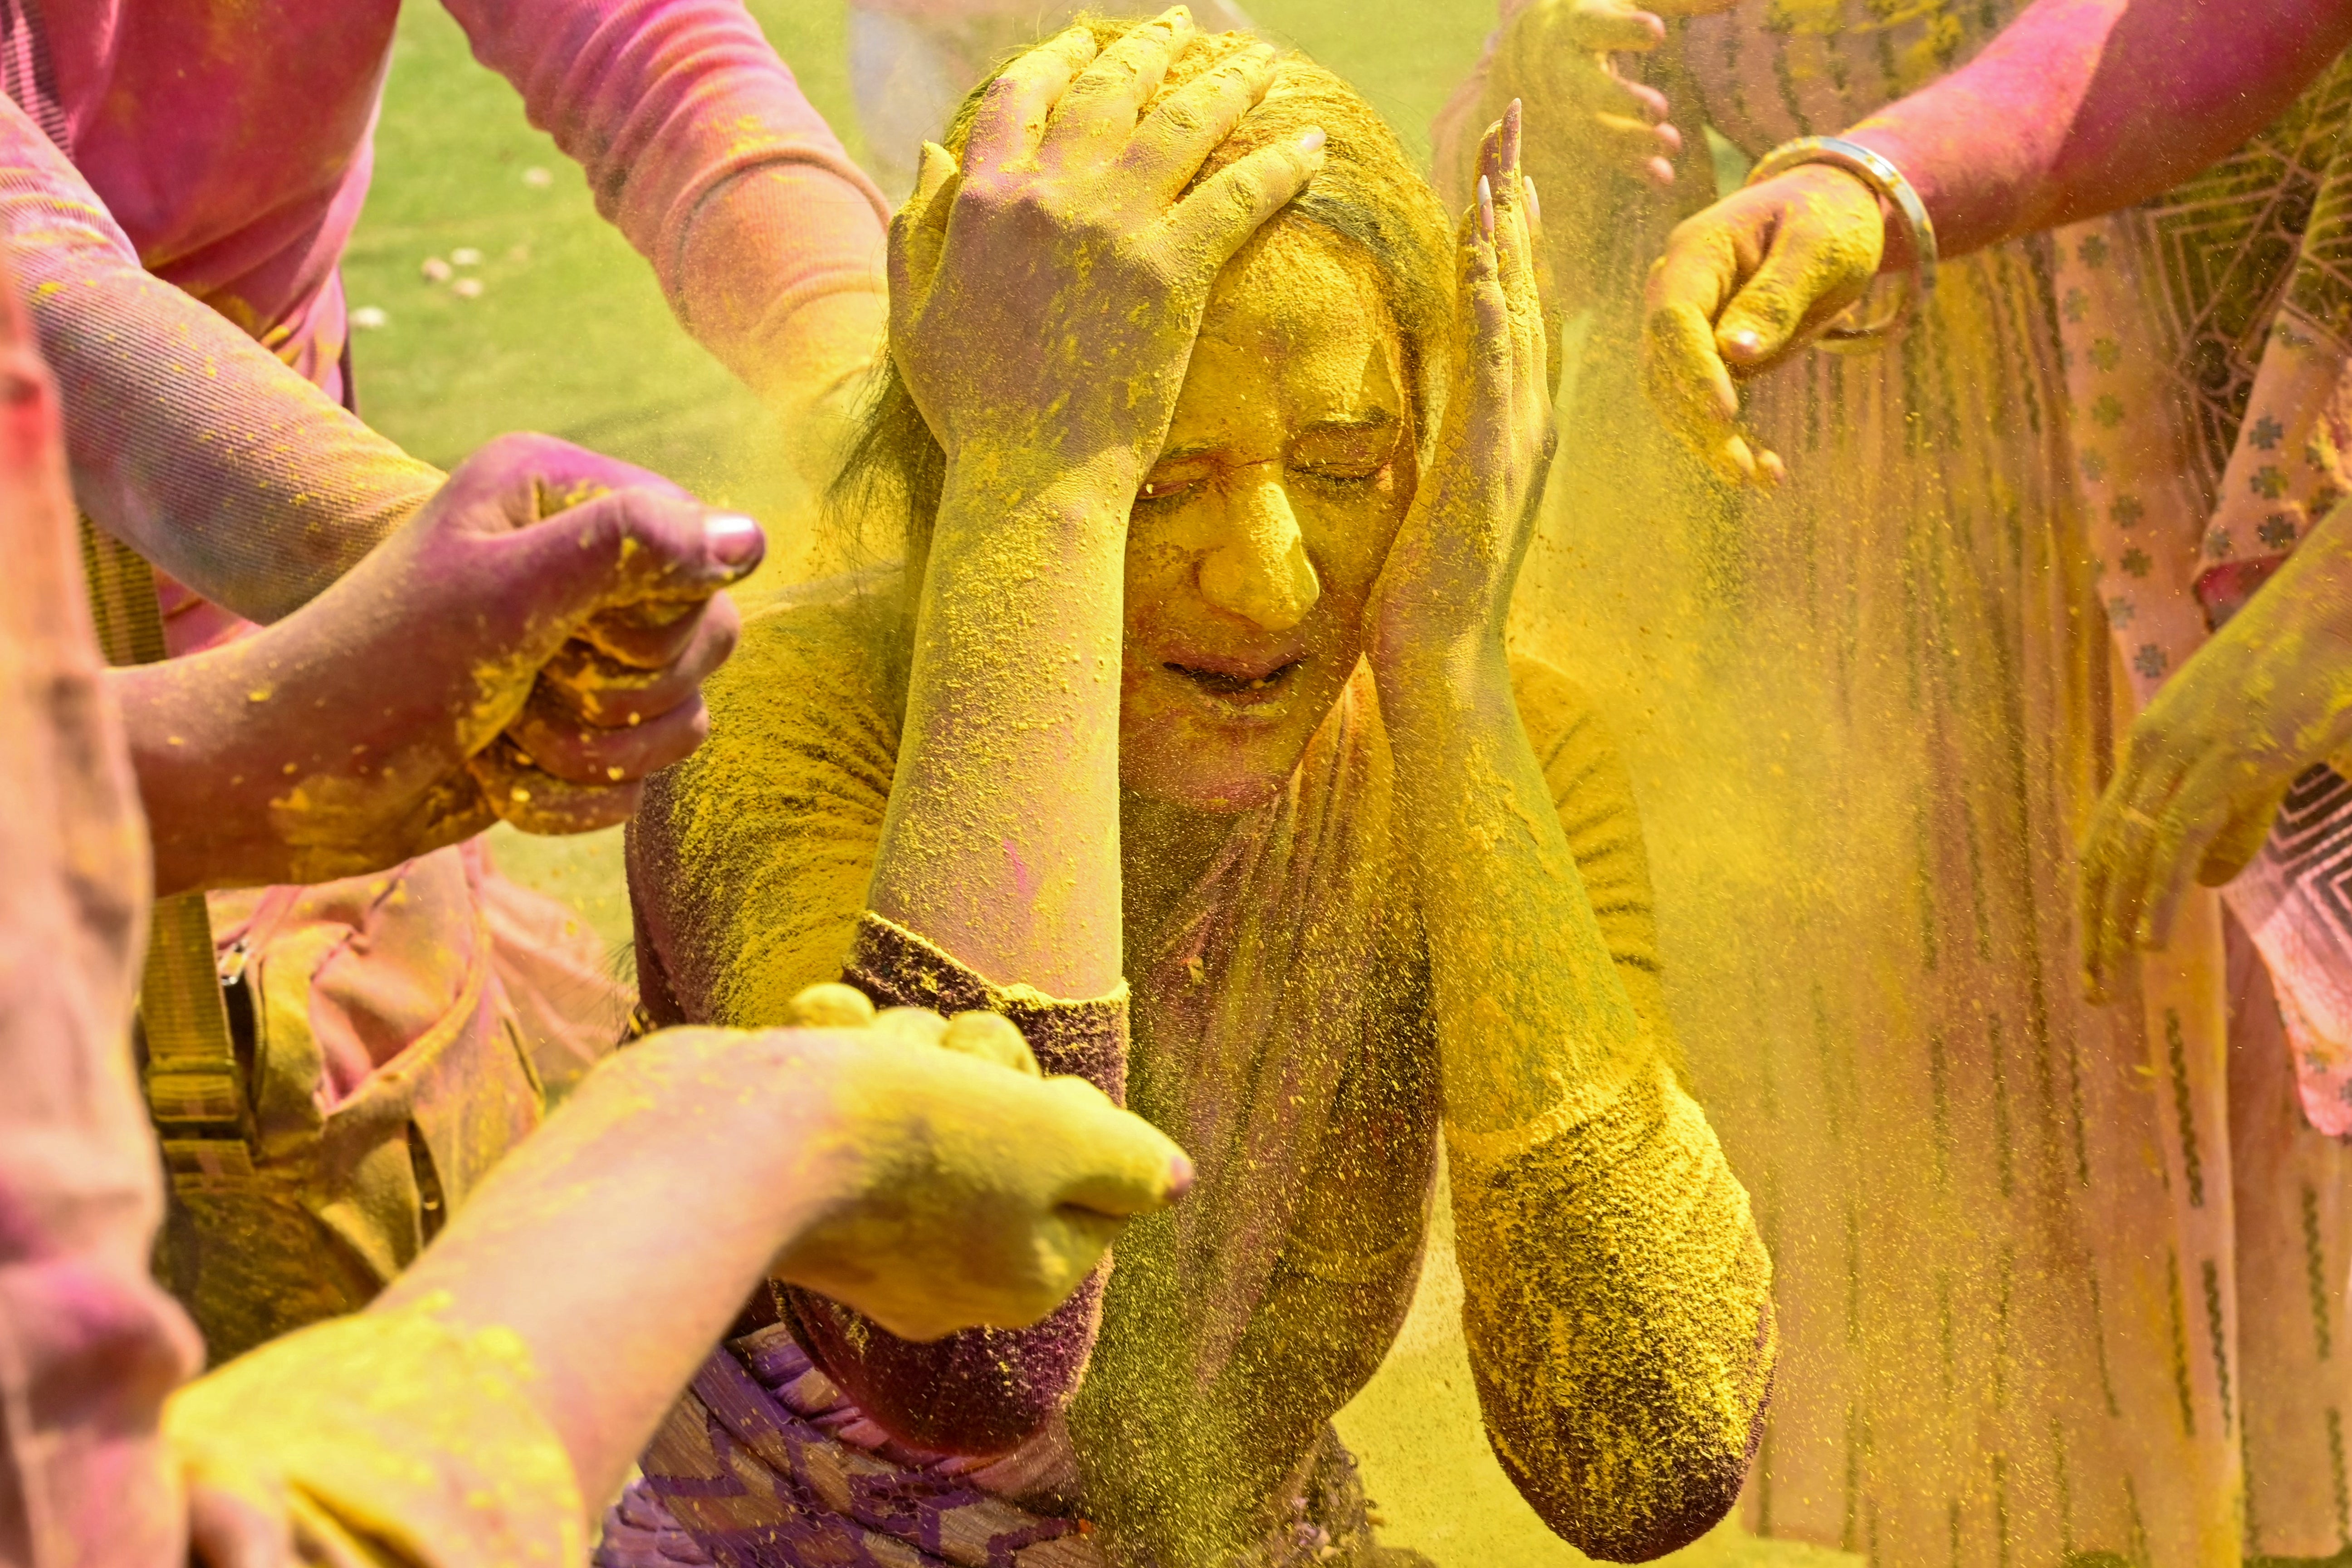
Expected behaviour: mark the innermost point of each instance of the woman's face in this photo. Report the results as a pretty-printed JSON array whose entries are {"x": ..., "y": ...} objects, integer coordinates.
[{"x": 1260, "y": 529}]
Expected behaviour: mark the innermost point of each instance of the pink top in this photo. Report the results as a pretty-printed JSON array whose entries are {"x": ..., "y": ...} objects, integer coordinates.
[{"x": 178, "y": 178}]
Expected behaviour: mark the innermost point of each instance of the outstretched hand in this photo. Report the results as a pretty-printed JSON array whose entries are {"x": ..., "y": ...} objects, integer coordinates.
[
  {"x": 527, "y": 647},
  {"x": 970, "y": 1189},
  {"x": 1446, "y": 586},
  {"x": 1044, "y": 293},
  {"x": 2207, "y": 764},
  {"x": 1742, "y": 286}
]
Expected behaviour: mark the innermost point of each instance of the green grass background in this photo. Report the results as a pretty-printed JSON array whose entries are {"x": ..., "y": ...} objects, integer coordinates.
[{"x": 569, "y": 335}]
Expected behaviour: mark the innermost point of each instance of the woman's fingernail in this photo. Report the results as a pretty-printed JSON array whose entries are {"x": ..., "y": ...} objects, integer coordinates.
[
  {"x": 734, "y": 540},
  {"x": 1485, "y": 208},
  {"x": 1534, "y": 208},
  {"x": 1180, "y": 1177},
  {"x": 1744, "y": 341},
  {"x": 1312, "y": 140}
]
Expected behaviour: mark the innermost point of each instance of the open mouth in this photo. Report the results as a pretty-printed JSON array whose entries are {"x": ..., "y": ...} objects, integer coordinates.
[{"x": 1238, "y": 686}]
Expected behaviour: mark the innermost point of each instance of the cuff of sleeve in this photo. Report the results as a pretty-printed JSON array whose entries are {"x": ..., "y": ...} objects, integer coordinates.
[
  {"x": 393, "y": 1431},
  {"x": 1609, "y": 1120},
  {"x": 898, "y": 968}
]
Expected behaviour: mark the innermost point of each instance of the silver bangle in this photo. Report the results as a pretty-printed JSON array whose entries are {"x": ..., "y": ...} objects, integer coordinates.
[{"x": 1847, "y": 334}]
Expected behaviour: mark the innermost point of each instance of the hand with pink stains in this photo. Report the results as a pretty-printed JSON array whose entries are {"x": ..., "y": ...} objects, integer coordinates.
[
  {"x": 1446, "y": 589},
  {"x": 1044, "y": 293},
  {"x": 1742, "y": 286},
  {"x": 529, "y": 646},
  {"x": 2206, "y": 765},
  {"x": 2077, "y": 108}
]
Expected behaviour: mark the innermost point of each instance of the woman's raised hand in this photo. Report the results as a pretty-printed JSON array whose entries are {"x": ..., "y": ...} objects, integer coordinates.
[
  {"x": 2206, "y": 765},
  {"x": 1046, "y": 293},
  {"x": 1742, "y": 286},
  {"x": 1446, "y": 587}
]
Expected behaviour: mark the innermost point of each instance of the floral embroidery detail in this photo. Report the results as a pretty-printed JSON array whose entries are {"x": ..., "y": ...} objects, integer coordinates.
[
  {"x": 2150, "y": 661},
  {"x": 2108, "y": 410},
  {"x": 2219, "y": 545},
  {"x": 2322, "y": 501},
  {"x": 2267, "y": 433},
  {"x": 2092, "y": 251},
  {"x": 2136, "y": 561},
  {"x": 2075, "y": 305},
  {"x": 2269, "y": 482},
  {"x": 2277, "y": 531},
  {"x": 2126, "y": 511},
  {"x": 2120, "y": 611},
  {"x": 2095, "y": 468},
  {"x": 2106, "y": 353}
]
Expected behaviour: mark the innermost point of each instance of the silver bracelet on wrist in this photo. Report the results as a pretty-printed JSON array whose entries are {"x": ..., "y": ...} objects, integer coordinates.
[{"x": 1849, "y": 334}]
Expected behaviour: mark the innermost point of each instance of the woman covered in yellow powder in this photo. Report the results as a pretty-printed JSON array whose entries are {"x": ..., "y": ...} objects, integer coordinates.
[{"x": 1216, "y": 457}]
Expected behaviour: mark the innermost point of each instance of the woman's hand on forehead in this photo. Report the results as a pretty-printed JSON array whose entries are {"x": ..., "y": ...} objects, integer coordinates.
[{"x": 1046, "y": 290}]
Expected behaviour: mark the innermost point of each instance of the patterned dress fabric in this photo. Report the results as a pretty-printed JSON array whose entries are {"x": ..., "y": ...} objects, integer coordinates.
[
  {"x": 2207, "y": 336},
  {"x": 2059, "y": 1282}
]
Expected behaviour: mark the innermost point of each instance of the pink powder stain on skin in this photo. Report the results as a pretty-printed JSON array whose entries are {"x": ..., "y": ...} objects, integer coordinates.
[{"x": 1023, "y": 879}]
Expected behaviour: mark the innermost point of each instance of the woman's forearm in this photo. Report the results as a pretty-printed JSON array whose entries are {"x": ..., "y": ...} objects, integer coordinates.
[
  {"x": 1530, "y": 1013},
  {"x": 1617, "y": 1299},
  {"x": 2080, "y": 107},
  {"x": 1001, "y": 841}
]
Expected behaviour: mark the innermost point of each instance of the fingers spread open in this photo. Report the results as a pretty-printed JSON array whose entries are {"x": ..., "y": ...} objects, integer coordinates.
[
  {"x": 1177, "y": 137},
  {"x": 1604, "y": 27},
  {"x": 1097, "y": 114},
  {"x": 1011, "y": 118},
  {"x": 1217, "y": 219}
]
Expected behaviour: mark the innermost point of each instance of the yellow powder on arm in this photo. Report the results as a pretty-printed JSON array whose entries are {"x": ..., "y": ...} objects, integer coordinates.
[
  {"x": 1617, "y": 1298},
  {"x": 389, "y": 1437},
  {"x": 765, "y": 837}
]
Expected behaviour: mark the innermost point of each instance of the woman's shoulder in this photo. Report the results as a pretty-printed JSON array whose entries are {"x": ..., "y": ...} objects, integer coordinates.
[
  {"x": 800, "y": 711},
  {"x": 748, "y": 860},
  {"x": 821, "y": 643}
]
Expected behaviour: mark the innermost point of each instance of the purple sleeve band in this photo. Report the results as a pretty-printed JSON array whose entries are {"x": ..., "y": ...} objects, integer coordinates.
[{"x": 981, "y": 1391}]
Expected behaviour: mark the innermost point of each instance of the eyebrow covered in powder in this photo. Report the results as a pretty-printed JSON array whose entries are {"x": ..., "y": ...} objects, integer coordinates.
[{"x": 1370, "y": 422}]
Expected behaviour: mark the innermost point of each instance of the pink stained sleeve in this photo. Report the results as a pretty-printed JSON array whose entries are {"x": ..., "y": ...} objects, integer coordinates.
[
  {"x": 188, "y": 440},
  {"x": 701, "y": 147},
  {"x": 88, "y": 1344},
  {"x": 2080, "y": 107}
]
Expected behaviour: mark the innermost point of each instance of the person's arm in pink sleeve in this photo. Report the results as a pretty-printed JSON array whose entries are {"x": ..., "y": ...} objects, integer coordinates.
[
  {"x": 88, "y": 1344},
  {"x": 701, "y": 147},
  {"x": 187, "y": 439},
  {"x": 2080, "y": 107},
  {"x": 2077, "y": 108}
]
